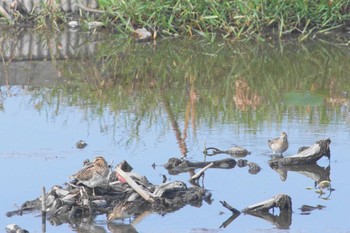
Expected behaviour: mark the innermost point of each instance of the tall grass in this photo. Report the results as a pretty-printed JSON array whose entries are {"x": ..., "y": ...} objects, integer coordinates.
[{"x": 229, "y": 17}]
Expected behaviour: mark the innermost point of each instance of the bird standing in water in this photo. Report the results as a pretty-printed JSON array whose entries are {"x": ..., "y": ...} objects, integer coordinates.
[{"x": 279, "y": 145}]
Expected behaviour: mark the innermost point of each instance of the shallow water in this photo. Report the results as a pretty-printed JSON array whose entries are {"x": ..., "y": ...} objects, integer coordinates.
[{"x": 146, "y": 103}]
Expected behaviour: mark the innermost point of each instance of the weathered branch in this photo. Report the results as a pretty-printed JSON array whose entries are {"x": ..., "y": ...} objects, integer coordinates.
[
  {"x": 176, "y": 166},
  {"x": 281, "y": 201},
  {"x": 144, "y": 194},
  {"x": 201, "y": 172},
  {"x": 233, "y": 151},
  {"x": 235, "y": 214}
]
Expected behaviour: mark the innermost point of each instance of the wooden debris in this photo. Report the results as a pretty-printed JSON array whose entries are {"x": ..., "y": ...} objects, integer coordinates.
[
  {"x": 135, "y": 197},
  {"x": 13, "y": 228},
  {"x": 253, "y": 167},
  {"x": 312, "y": 171},
  {"x": 146, "y": 195},
  {"x": 229, "y": 207},
  {"x": 308, "y": 208},
  {"x": 235, "y": 214},
  {"x": 281, "y": 201},
  {"x": 81, "y": 144},
  {"x": 43, "y": 210},
  {"x": 161, "y": 189},
  {"x": 201, "y": 172},
  {"x": 307, "y": 156},
  {"x": 176, "y": 166},
  {"x": 236, "y": 151}
]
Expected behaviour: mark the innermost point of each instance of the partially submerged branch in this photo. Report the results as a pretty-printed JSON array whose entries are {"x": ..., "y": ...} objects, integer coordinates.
[
  {"x": 236, "y": 151},
  {"x": 281, "y": 201},
  {"x": 201, "y": 172},
  {"x": 176, "y": 166},
  {"x": 261, "y": 210}
]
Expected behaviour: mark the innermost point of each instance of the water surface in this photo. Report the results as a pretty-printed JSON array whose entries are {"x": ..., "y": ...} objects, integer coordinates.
[{"x": 146, "y": 103}]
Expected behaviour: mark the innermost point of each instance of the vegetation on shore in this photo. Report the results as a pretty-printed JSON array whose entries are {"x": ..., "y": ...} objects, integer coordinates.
[
  {"x": 230, "y": 17},
  {"x": 209, "y": 18}
]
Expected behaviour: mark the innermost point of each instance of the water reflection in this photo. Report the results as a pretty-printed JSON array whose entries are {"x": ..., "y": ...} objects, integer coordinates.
[{"x": 188, "y": 91}]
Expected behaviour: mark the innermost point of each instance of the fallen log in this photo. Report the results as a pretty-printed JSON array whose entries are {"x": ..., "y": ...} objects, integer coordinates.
[
  {"x": 176, "y": 166},
  {"x": 283, "y": 220},
  {"x": 308, "y": 156}
]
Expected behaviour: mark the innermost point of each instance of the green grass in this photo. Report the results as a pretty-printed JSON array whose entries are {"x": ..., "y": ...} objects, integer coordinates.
[
  {"x": 228, "y": 17},
  {"x": 213, "y": 18}
]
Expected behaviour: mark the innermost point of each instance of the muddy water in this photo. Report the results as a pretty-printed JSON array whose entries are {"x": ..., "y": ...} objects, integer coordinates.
[{"x": 146, "y": 103}]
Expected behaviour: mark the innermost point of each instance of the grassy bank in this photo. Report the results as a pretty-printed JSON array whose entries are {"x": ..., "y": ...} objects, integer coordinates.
[
  {"x": 210, "y": 18},
  {"x": 229, "y": 18}
]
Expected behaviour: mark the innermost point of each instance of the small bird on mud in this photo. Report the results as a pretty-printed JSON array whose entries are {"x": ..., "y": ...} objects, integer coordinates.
[
  {"x": 279, "y": 145},
  {"x": 93, "y": 174}
]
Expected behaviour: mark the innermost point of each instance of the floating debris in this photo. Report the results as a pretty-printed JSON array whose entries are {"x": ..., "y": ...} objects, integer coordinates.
[
  {"x": 253, "y": 167},
  {"x": 306, "y": 209},
  {"x": 81, "y": 144}
]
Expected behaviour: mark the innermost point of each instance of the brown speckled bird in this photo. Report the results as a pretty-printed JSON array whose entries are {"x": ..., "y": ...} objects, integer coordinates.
[
  {"x": 279, "y": 145},
  {"x": 93, "y": 174}
]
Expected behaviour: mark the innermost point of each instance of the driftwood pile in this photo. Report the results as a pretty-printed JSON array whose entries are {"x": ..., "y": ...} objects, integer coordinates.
[{"x": 124, "y": 194}]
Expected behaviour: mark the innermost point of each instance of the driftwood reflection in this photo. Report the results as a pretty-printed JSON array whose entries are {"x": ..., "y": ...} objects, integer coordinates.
[
  {"x": 282, "y": 221},
  {"x": 261, "y": 210},
  {"x": 306, "y": 209},
  {"x": 235, "y": 214},
  {"x": 313, "y": 171},
  {"x": 116, "y": 228}
]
